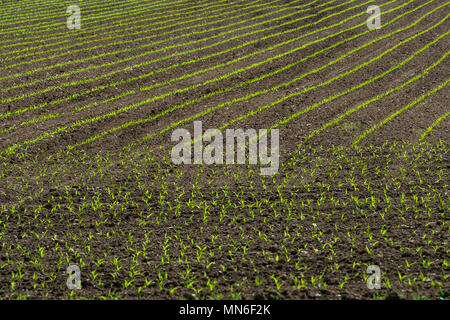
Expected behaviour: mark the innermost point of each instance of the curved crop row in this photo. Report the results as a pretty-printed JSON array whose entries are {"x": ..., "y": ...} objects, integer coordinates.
[
  {"x": 225, "y": 76},
  {"x": 113, "y": 35},
  {"x": 146, "y": 63},
  {"x": 246, "y": 68},
  {"x": 109, "y": 16},
  {"x": 221, "y": 65},
  {"x": 398, "y": 112},
  {"x": 354, "y": 88},
  {"x": 87, "y": 8},
  {"x": 222, "y": 105},
  {"x": 434, "y": 125},
  {"x": 375, "y": 99},
  {"x": 85, "y": 81},
  {"x": 44, "y": 12},
  {"x": 118, "y": 25},
  {"x": 133, "y": 48},
  {"x": 68, "y": 33}
]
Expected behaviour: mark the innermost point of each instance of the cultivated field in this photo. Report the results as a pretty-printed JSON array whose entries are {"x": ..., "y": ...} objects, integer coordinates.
[{"x": 87, "y": 178}]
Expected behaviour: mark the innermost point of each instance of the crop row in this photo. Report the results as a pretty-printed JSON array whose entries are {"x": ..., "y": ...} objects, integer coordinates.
[
  {"x": 117, "y": 24},
  {"x": 307, "y": 89},
  {"x": 58, "y": 26},
  {"x": 195, "y": 100},
  {"x": 137, "y": 47},
  {"x": 29, "y": 12},
  {"x": 246, "y": 68},
  {"x": 102, "y": 87},
  {"x": 434, "y": 125},
  {"x": 159, "y": 59},
  {"x": 350, "y": 111},
  {"x": 400, "y": 111}
]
